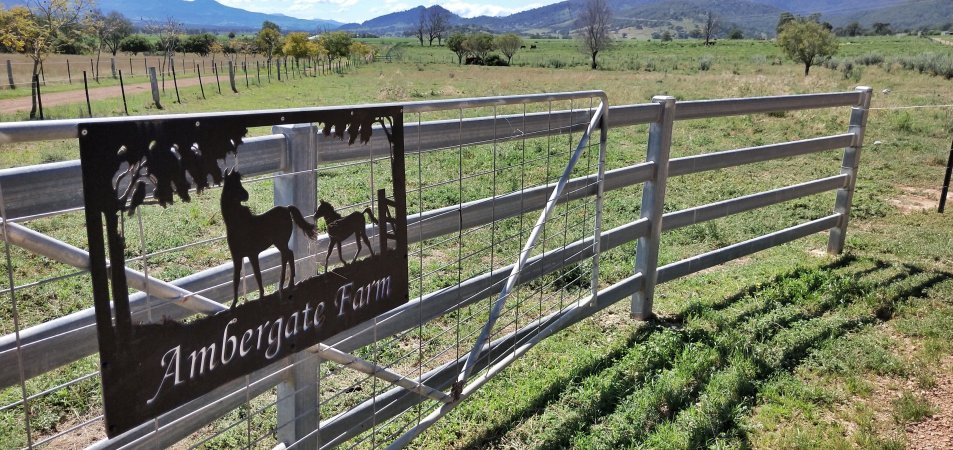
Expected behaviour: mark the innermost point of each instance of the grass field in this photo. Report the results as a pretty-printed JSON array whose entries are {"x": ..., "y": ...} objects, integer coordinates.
[{"x": 789, "y": 348}]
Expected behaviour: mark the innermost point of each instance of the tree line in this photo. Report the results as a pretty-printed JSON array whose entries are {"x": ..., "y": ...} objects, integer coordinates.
[{"x": 45, "y": 27}]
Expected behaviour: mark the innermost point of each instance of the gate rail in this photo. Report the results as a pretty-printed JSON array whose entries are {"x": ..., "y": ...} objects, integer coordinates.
[{"x": 39, "y": 191}]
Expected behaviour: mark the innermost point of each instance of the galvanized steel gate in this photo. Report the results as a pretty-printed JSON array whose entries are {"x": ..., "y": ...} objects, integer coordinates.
[{"x": 491, "y": 275}]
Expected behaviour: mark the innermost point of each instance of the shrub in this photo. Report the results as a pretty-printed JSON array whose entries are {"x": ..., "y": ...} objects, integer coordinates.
[
  {"x": 903, "y": 122},
  {"x": 870, "y": 59},
  {"x": 831, "y": 64},
  {"x": 704, "y": 63},
  {"x": 929, "y": 63},
  {"x": 495, "y": 60}
]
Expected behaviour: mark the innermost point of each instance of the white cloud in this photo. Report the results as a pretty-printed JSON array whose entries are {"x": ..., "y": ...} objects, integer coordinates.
[{"x": 467, "y": 9}]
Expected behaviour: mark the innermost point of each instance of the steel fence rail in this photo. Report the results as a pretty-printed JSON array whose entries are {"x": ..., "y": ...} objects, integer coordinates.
[
  {"x": 43, "y": 190},
  {"x": 50, "y": 188}
]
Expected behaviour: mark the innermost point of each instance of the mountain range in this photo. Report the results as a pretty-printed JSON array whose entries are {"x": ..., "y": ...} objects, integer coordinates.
[
  {"x": 201, "y": 14},
  {"x": 638, "y": 17},
  {"x": 751, "y": 16}
]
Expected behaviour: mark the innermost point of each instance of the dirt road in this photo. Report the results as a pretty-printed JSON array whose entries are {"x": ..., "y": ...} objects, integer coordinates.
[{"x": 14, "y": 105}]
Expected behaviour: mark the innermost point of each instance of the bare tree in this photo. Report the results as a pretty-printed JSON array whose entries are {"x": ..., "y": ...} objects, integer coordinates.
[
  {"x": 711, "y": 26},
  {"x": 593, "y": 23},
  {"x": 421, "y": 25},
  {"x": 118, "y": 28},
  {"x": 436, "y": 24},
  {"x": 169, "y": 34}
]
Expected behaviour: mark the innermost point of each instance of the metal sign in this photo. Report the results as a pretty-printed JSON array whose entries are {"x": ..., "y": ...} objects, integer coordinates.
[{"x": 151, "y": 368}]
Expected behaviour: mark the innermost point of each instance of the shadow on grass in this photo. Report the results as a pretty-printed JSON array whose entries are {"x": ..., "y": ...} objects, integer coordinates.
[
  {"x": 542, "y": 398},
  {"x": 818, "y": 329},
  {"x": 909, "y": 283}
]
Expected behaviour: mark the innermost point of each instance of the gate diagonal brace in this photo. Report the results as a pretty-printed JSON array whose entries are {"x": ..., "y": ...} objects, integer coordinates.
[
  {"x": 598, "y": 119},
  {"x": 350, "y": 361}
]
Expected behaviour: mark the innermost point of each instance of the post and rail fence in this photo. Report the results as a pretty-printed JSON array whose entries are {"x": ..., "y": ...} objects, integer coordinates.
[{"x": 505, "y": 223}]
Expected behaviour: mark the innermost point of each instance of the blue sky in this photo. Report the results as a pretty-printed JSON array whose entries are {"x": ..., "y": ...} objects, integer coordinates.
[{"x": 361, "y": 10}]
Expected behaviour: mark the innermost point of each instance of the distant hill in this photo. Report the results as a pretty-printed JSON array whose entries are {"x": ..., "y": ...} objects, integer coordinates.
[
  {"x": 637, "y": 18},
  {"x": 560, "y": 18},
  {"x": 753, "y": 17},
  {"x": 911, "y": 15},
  {"x": 398, "y": 22},
  {"x": 203, "y": 14}
]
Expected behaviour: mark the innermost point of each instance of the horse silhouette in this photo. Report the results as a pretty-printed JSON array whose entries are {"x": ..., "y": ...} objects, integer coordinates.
[
  {"x": 341, "y": 228},
  {"x": 249, "y": 234}
]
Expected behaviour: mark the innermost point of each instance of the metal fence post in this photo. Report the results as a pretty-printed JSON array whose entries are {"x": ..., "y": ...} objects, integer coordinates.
[
  {"x": 296, "y": 185},
  {"x": 845, "y": 195},
  {"x": 653, "y": 201}
]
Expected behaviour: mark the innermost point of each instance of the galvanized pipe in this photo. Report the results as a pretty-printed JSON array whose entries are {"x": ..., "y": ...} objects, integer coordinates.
[
  {"x": 44, "y": 245},
  {"x": 713, "y": 258},
  {"x": 69, "y": 129},
  {"x": 653, "y": 205},
  {"x": 712, "y": 211},
  {"x": 849, "y": 166},
  {"x": 731, "y": 158},
  {"x": 366, "y": 367}
]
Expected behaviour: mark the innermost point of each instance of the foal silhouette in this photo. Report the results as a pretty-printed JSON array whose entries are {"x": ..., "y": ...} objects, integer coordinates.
[
  {"x": 341, "y": 228},
  {"x": 250, "y": 234}
]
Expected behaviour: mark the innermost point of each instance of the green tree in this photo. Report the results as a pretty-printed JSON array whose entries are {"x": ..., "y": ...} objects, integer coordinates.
[
  {"x": 479, "y": 45},
  {"x": 783, "y": 20},
  {"x": 509, "y": 44},
  {"x": 807, "y": 42},
  {"x": 118, "y": 27},
  {"x": 136, "y": 44},
  {"x": 854, "y": 29},
  {"x": 882, "y": 29},
  {"x": 337, "y": 44},
  {"x": 37, "y": 31},
  {"x": 362, "y": 50},
  {"x": 268, "y": 40},
  {"x": 298, "y": 46},
  {"x": 457, "y": 44},
  {"x": 200, "y": 44}
]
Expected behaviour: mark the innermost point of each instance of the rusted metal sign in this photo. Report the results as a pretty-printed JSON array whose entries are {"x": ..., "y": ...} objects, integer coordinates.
[{"x": 151, "y": 368}]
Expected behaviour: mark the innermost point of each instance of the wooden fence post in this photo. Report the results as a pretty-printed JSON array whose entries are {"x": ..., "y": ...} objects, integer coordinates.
[
  {"x": 10, "y": 75},
  {"x": 231, "y": 76},
  {"x": 155, "y": 87},
  {"x": 653, "y": 203}
]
